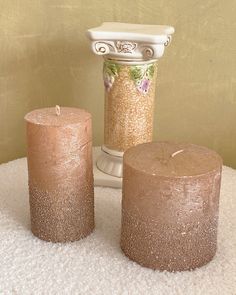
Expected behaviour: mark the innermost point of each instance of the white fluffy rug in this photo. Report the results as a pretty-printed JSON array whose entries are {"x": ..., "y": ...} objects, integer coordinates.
[{"x": 96, "y": 264}]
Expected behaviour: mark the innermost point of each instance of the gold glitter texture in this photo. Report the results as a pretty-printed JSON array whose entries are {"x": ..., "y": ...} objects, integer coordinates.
[
  {"x": 60, "y": 174},
  {"x": 128, "y": 110},
  {"x": 170, "y": 205}
]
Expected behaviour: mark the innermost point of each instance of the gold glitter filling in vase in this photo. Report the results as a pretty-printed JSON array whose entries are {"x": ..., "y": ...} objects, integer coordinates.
[{"x": 129, "y": 104}]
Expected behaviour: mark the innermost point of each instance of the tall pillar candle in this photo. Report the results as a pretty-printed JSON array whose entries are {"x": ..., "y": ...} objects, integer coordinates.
[
  {"x": 60, "y": 173},
  {"x": 170, "y": 205}
]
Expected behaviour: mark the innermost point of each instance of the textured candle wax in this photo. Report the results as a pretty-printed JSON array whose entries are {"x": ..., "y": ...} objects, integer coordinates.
[
  {"x": 60, "y": 173},
  {"x": 170, "y": 205},
  {"x": 129, "y": 104}
]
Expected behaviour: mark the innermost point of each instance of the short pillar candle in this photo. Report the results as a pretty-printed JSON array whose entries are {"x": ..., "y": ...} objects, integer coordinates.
[
  {"x": 170, "y": 205},
  {"x": 60, "y": 173}
]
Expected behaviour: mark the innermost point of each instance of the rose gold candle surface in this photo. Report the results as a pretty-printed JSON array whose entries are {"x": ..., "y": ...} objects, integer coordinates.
[
  {"x": 129, "y": 104},
  {"x": 60, "y": 173},
  {"x": 170, "y": 205}
]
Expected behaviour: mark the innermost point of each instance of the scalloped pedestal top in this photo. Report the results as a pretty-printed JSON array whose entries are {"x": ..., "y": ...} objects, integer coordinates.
[{"x": 130, "y": 41}]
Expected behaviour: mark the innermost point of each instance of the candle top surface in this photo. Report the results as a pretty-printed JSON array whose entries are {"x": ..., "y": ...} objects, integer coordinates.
[
  {"x": 169, "y": 159},
  {"x": 57, "y": 116}
]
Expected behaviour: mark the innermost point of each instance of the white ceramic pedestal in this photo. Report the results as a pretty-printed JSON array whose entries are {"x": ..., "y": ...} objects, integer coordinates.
[
  {"x": 127, "y": 44},
  {"x": 101, "y": 178}
]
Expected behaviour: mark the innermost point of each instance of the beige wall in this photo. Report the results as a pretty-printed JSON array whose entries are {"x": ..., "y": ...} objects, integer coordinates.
[{"x": 45, "y": 60}]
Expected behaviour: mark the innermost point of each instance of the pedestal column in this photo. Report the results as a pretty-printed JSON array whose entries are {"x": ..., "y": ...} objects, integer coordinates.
[
  {"x": 129, "y": 103},
  {"x": 130, "y": 69}
]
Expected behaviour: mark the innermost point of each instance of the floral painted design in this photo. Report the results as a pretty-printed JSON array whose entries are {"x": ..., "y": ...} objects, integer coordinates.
[
  {"x": 142, "y": 76},
  {"x": 110, "y": 72}
]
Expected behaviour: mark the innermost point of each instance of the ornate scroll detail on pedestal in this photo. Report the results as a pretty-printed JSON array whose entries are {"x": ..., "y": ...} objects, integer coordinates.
[
  {"x": 167, "y": 43},
  {"x": 126, "y": 46},
  {"x": 101, "y": 48},
  {"x": 148, "y": 53},
  {"x": 130, "y": 42},
  {"x": 129, "y": 50},
  {"x": 105, "y": 47}
]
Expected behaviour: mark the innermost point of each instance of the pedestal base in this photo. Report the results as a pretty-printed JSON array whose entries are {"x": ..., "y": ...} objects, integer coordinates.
[{"x": 101, "y": 178}]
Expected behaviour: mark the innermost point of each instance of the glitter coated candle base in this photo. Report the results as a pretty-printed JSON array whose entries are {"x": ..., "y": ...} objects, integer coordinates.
[
  {"x": 170, "y": 205},
  {"x": 60, "y": 173}
]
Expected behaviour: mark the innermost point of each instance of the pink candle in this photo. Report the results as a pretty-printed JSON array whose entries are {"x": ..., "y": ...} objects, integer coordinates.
[
  {"x": 170, "y": 205},
  {"x": 60, "y": 173}
]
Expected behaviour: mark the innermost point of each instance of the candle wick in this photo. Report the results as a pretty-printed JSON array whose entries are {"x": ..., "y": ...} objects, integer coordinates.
[
  {"x": 58, "y": 110},
  {"x": 176, "y": 153}
]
